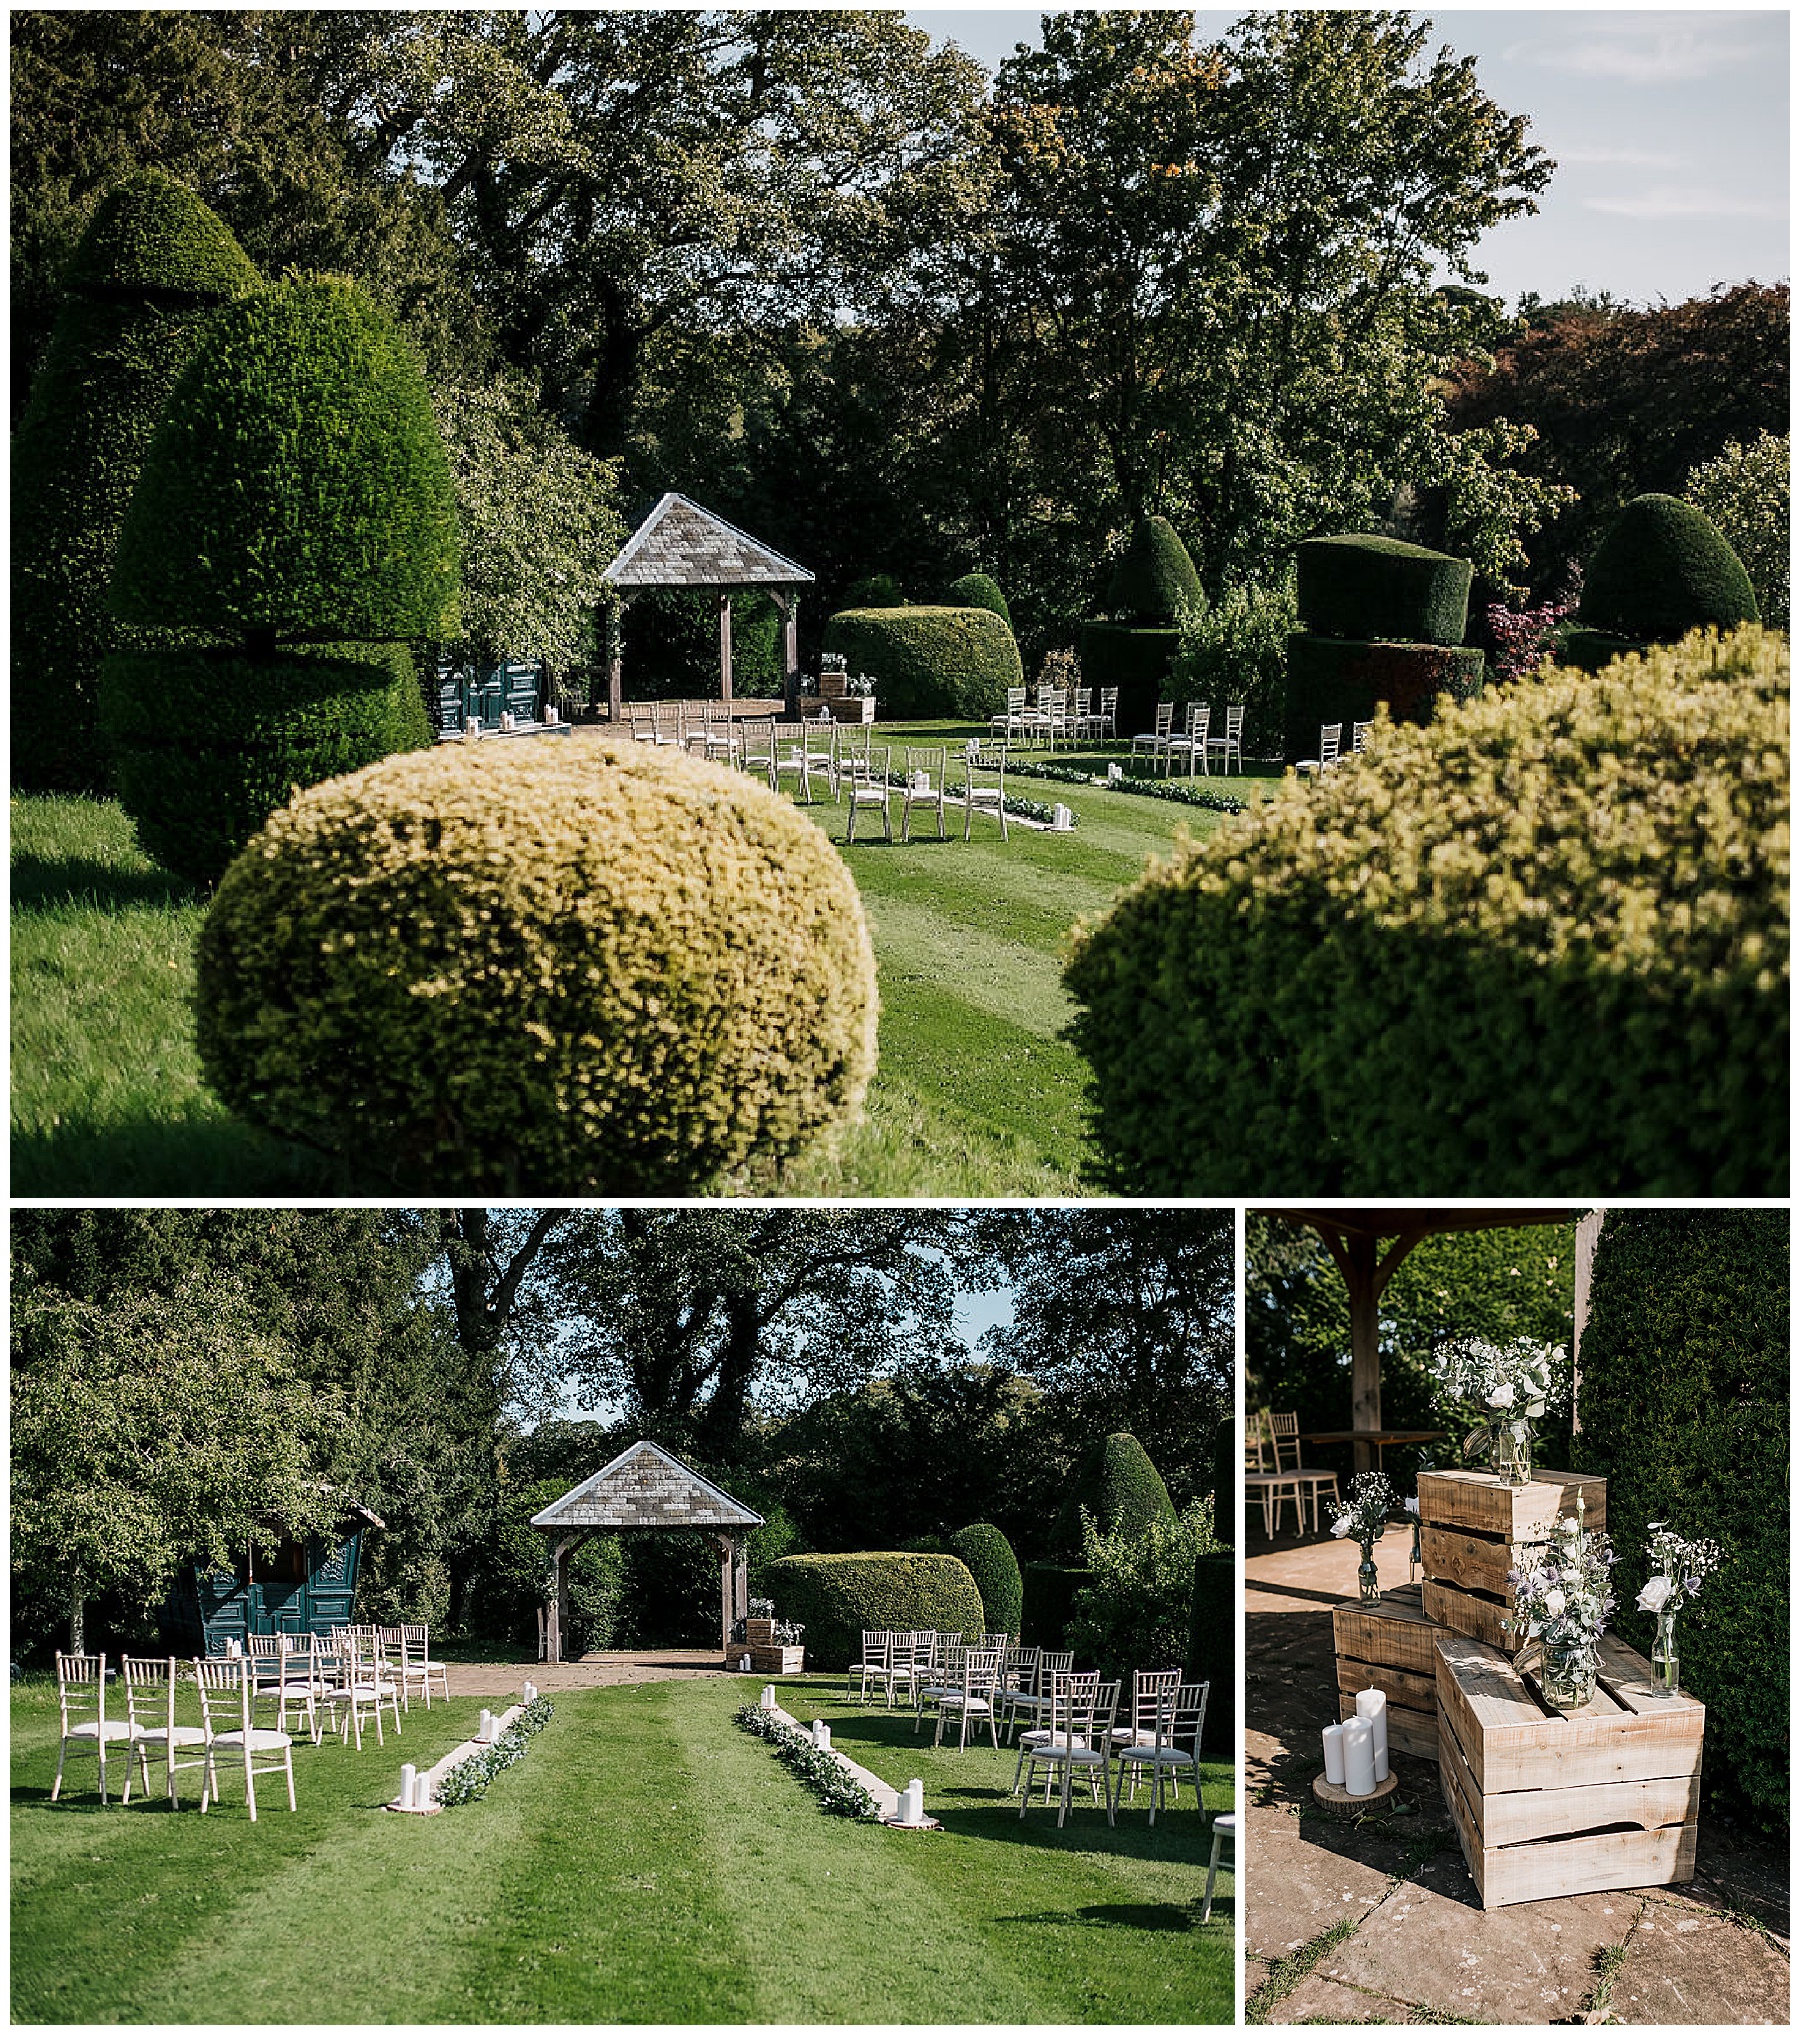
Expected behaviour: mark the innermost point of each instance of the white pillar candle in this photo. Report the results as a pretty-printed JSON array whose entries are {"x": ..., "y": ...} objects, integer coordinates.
[
  {"x": 421, "y": 1791},
  {"x": 1359, "y": 1757},
  {"x": 409, "y": 1782},
  {"x": 1372, "y": 1704},
  {"x": 768, "y": 1696},
  {"x": 912, "y": 1802},
  {"x": 1334, "y": 1754},
  {"x": 487, "y": 1725}
]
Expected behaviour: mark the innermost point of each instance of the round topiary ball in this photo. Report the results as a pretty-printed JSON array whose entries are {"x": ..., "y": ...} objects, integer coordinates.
[
  {"x": 546, "y": 966},
  {"x": 1154, "y": 578},
  {"x": 1662, "y": 570},
  {"x": 1120, "y": 1489},
  {"x": 980, "y": 590}
]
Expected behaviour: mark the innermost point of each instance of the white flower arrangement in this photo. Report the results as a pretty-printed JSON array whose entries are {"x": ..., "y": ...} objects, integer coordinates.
[
  {"x": 1371, "y": 1499},
  {"x": 1489, "y": 1386},
  {"x": 1678, "y": 1568},
  {"x": 1565, "y": 1596}
]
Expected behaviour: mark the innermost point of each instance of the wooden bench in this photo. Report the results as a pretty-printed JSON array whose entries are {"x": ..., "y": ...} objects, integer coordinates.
[{"x": 1549, "y": 1803}]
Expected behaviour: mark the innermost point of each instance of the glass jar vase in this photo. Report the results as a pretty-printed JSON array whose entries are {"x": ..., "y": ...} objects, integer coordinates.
[
  {"x": 1665, "y": 1658},
  {"x": 1570, "y": 1666},
  {"x": 1511, "y": 1454},
  {"x": 1368, "y": 1583}
]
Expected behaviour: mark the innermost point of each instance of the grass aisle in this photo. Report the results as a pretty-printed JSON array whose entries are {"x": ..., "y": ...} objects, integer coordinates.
[{"x": 645, "y": 1862}]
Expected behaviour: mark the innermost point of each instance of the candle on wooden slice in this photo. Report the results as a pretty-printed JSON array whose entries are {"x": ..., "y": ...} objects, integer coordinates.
[
  {"x": 1334, "y": 1754},
  {"x": 1372, "y": 1704},
  {"x": 1359, "y": 1757}
]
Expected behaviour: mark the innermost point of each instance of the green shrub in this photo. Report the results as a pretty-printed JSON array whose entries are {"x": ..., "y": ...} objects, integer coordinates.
[
  {"x": 1138, "y": 661},
  {"x": 1118, "y": 1487},
  {"x": 1537, "y": 947},
  {"x": 516, "y": 1576},
  {"x": 562, "y": 963},
  {"x": 210, "y": 742},
  {"x": 929, "y": 663},
  {"x": 987, "y": 1554},
  {"x": 977, "y": 590},
  {"x": 840, "y": 1597},
  {"x": 152, "y": 267},
  {"x": 1745, "y": 493},
  {"x": 671, "y": 646},
  {"x": 297, "y": 489},
  {"x": 1154, "y": 579},
  {"x": 877, "y": 590},
  {"x": 1212, "y": 1648},
  {"x": 1235, "y": 653},
  {"x": 1371, "y": 588},
  {"x": 1332, "y": 680},
  {"x": 1684, "y": 1409},
  {"x": 1137, "y": 1609},
  {"x": 1591, "y": 649},
  {"x": 1663, "y": 570},
  {"x": 1048, "y": 1602}
]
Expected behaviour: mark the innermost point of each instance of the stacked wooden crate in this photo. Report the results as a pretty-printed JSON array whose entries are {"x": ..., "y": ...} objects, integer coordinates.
[
  {"x": 1474, "y": 1529},
  {"x": 1388, "y": 1646},
  {"x": 1550, "y": 1802},
  {"x": 767, "y": 1655}
]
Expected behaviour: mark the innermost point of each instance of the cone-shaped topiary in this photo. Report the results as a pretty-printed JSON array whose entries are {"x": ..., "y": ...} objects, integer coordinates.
[
  {"x": 991, "y": 1561},
  {"x": 152, "y": 267},
  {"x": 1661, "y": 570},
  {"x": 977, "y": 590},
  {"x": 297, "y": 492},
  {"x": 1118, "y": 1486},
  {"x": 546, "y": 966},
  {"x": 1154, "y": 578}
]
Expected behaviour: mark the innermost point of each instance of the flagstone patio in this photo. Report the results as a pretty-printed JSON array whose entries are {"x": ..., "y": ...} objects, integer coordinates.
[{"x": 1406, "y": 1937}]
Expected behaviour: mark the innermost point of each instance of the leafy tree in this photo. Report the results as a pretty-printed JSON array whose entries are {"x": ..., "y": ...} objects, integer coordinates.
[
  {"x": 686, "y": 1318},
  {"x": 1123, "y": 1317},
  {"x": 1745, "y": 492},
  {"x": 1500, "y": 1284},
  {"x": 1138, "y": 1610},
  {"x": 1626, "y": 402},
  {"x": 540, "y": 522},
  {"x": 156, "y": 1430}
]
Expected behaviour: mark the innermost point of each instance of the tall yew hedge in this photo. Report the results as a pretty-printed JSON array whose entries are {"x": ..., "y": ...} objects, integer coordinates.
[{"x": 1683, "y": 1408}]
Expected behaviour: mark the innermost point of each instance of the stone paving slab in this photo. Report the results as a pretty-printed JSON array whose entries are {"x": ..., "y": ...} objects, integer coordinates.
[
  {"x": 594, "y": 1671},
  {"x": 1300, "y": 1884},
  {"x": 1685, "y": 1968},
  {"x": 1320, "y": 1999}
]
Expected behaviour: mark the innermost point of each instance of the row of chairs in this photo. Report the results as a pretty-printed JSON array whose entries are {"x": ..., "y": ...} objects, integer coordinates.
[
  {"x": 1331, "y": 742},
  {"x": 1056, "y": 714},
  {"x": 1161, "y": 1734},
  {"x": 1274, "y": 1472},
  {"x": 310, "y": 1680},
  {"x": 1195, "y": 740}
]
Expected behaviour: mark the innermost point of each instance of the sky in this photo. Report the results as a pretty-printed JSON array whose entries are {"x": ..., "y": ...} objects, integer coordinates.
[{"x": 1669, "y": 129}]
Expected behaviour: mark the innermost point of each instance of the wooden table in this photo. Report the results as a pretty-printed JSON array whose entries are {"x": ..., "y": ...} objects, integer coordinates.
[{"x": 1378, "y": 1437}]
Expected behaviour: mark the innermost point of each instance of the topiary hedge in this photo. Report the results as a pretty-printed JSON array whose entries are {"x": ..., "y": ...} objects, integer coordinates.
[
  {"x": 1140, "y": 662},
  {"x": 1537, "y": 947},
  {"x": 1118, "y": 1486},
  {"x": 840, "y": 1597},
  {"x": 1330, "y": 680},
  {"x": 209, "y": 743},
  {"x": 1662, "y": 570},
  {"x": 1683, "y": 1405},
  {"x": 977, "y": 590},
  {"x": 151, "y": 269},
  {"x": 929, "y": 664},
  {"x": 553, "y": 965},
  {"x": 987, "y": 1554},
  {"x": 1048, "y": 1601},
  {"x": 296, "y": 492},
  {"x": 1154, "y": 578},
  {"x": 1374, "y": 587},
  {"x": 1212, "y": 1648}
]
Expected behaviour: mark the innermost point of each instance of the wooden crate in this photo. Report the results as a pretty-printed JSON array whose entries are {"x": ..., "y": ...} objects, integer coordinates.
[
  {"x": 1547, "y": 1803},
  {"x": 1388, "y": 1646},
  {"x": 1474, "y": 1529},
  {"x": 759, "y": 1632},
  {"x": 777, "y": 1660}
]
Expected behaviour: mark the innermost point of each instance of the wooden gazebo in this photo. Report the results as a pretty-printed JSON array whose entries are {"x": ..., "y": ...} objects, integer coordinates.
[
  {"x": 680, "y": 545},
  {"x": 1367, "y": 1245},
  {"x": 647, "y": 1490}
]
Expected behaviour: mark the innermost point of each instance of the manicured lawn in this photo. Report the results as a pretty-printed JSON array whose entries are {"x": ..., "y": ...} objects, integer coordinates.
[
  {"x": 646, "y": 1861},
  {"x": 977, "y": 1093}
]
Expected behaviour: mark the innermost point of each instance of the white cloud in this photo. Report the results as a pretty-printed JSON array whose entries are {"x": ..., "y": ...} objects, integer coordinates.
[
  {"x": 1643, "y": 56},
  {"x": 1670, "y": 202}
]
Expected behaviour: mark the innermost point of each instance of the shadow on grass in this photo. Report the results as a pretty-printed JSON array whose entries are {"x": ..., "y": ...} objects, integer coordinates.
[
  {"x": 191, "y": 1155},
  {"x": 48, "y": 883},
  {"x": 1160, "y": 1916}
]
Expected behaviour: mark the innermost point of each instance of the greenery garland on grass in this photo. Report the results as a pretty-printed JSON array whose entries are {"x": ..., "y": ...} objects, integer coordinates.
[
  {"x": 468, "y": 1780},
  {"x": 1135, "y": 787},
  {"x": 838, "y": 1794}
]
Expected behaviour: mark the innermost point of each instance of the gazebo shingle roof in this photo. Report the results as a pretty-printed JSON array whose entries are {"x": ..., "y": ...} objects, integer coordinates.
[
  {"x": 646, "y": 1486},
  {"x": 681, "y": 544}
]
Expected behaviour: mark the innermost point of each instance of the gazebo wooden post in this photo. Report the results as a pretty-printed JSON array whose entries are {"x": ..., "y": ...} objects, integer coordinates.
[
  {"x": 1366, "y": 1274},
  {"x": 615, "y": 661},
  {"x": 725, "y": 643},
  {"x": 727, "y": 1590},
  {"x": 559, "y": 1597}
]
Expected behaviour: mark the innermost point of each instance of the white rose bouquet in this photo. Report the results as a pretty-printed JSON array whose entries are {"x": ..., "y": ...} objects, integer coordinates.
[
  {"x": 1497, "y": 1392},
  {"x": 1678, "y": 1568},
  {"x": 1565, "y": 1596},
  {"x": 1371, "y": 1499}
]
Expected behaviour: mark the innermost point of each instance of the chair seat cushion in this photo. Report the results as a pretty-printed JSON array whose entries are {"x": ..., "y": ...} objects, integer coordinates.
[
  {"x": 260, "y": 1740},
  {"x": 184, "y": 1734},
  {"x": 1060, "y": 1745},
  {"x": 112, "y": 1732},
  {"x": 1157, "y": 1755},
  {"x": 954, "y": 1699}
]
